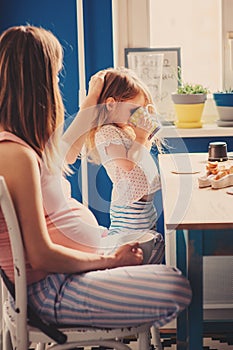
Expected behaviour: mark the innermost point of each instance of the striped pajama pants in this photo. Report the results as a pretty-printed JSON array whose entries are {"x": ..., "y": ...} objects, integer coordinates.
[{"x": 118, "y": 297}]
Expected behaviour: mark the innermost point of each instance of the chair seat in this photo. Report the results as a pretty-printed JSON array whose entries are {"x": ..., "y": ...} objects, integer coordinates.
[{"x": 77, "y": 335}]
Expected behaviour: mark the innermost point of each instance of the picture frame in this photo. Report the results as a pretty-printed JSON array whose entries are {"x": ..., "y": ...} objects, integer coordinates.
[{"x": 169, "y": 79}]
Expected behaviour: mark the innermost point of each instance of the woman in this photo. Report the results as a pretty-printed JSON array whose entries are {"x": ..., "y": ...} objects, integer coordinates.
[{"x": 68, "y": 281}]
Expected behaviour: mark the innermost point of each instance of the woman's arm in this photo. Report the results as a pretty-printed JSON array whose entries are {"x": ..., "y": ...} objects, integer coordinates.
[
  {"x": 42, "y": 254},
  {"x": 75, "y": 136}
]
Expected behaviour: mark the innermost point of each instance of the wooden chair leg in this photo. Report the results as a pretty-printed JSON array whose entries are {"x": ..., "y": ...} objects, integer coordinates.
[
  {"x": 156, "y": 340},
  {"x": 6, "y": 340},
  {"x": 144, "y": 341},
  {"x": 40, "y": 346}
]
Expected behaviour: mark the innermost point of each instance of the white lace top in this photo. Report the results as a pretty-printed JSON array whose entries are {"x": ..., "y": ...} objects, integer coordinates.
[{"x": 128, "y": 186}]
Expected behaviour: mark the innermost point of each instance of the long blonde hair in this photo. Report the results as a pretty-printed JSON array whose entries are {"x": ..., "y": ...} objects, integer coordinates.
[
  {"x": 31, "y": 105},
  {"x": 122, "y": 84}
]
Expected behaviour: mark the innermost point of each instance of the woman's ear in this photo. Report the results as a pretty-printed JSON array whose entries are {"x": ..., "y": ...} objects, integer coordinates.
[{"x": 110, "y": 101}]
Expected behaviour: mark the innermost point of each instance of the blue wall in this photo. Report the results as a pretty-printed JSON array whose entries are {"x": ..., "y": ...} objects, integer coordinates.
[
  {"x": 98, "y": 55},
  {"x": 59, "y": 16}
]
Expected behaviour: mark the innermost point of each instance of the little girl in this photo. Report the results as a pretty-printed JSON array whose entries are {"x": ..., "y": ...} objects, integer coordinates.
[{"x": 123, "y": 149}]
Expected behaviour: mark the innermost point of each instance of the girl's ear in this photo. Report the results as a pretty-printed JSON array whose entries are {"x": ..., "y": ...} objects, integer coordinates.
[{"x": 110, "y": 101}]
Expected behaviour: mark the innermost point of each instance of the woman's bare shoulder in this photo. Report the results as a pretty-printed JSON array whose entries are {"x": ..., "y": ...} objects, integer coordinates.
[{"x": 16, "y": 159}]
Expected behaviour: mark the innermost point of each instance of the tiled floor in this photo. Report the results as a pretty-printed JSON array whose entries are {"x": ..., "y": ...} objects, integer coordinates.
[
  {"x": 209, "y": 344},
  {"x": 168, "y": 340},
  {"x": 168, "y": 334},
  {"x": 168, "y": 344}
]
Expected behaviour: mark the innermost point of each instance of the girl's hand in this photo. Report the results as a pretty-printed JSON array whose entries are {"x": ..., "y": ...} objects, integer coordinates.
[
  {"x": 142, "y": 129},
  {"x": 129, "y": 254}
]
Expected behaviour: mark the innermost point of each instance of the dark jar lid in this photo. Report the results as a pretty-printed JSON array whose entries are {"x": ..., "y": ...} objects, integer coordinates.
[{"x": 217, "y": 151}]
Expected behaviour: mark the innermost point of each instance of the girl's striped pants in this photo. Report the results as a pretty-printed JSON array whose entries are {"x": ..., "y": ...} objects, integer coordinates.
[{"x": 135, "y": 216}]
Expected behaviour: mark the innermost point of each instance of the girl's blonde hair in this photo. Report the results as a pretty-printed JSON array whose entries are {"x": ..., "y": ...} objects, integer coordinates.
[
  {"x": 122, "y": 84},
  {"x": 31, "y": 105}
]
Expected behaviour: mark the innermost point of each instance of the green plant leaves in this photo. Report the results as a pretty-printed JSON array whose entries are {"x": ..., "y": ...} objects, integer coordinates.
[{"x": 186, "y": 88}]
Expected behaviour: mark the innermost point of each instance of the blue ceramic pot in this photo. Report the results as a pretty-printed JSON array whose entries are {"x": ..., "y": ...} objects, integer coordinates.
[
  {"x": 224, "y": 104},
  {"x": 223, "y": 99}
]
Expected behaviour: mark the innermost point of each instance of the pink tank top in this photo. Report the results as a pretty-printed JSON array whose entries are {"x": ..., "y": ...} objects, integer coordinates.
[{"x": 64, "y": 216}]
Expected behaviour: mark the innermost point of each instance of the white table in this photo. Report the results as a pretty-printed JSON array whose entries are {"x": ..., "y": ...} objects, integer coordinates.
[{"x": 203, "y": 220}]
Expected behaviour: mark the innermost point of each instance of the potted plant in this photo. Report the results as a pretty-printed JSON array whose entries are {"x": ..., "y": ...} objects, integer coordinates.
[
  {"x": 224, "y": 103},
  {"x": 189, "y": 100}
]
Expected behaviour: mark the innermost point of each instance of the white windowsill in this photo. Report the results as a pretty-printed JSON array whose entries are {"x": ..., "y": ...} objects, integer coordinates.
[{"x": 208, "y": 130}]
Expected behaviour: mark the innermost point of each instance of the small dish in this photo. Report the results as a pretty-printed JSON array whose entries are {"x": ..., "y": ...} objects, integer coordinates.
[
  {"x": 207, "y": 181},
  {"x": 225, "y": 181},
  {"x": 230, "y": 191},
  {"x": 224, "y": 123}
]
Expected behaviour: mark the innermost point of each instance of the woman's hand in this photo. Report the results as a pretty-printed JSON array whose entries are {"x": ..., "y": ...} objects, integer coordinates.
[
  {"x": 75, "y": 136},
  {"x": 96, "y": 84},
  {"x": 129, "y": 254}
]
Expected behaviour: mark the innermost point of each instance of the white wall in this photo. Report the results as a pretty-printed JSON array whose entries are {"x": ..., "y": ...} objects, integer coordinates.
[
  {"x": 198, "y": 27},
  {"x": 195, "y": 26},
  {"x": 131, "y": 26},
  {"x": 227, "y": 27}
]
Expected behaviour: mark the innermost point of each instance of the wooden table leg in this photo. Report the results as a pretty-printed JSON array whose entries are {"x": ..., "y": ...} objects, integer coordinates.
[
  {"x": 189, "y": 248},
  {"x": 181, "y": 333},
  {"x": 194, "y": 239}
]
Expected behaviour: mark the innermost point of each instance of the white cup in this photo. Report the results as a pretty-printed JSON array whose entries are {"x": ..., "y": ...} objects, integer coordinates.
[{"x": 145, "y": 239}]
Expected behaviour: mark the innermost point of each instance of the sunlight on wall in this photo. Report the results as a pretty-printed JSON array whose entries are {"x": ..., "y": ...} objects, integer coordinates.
[{"x": 195, "y": 26}]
